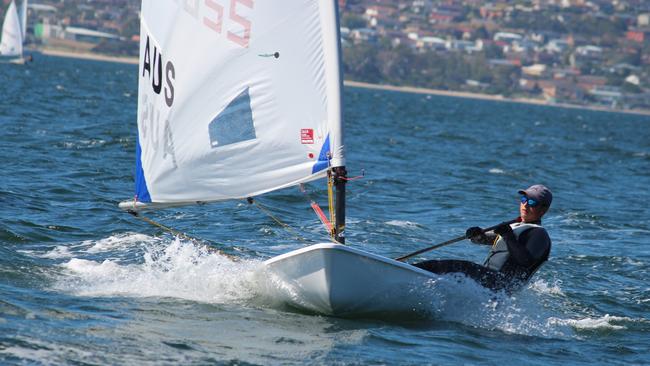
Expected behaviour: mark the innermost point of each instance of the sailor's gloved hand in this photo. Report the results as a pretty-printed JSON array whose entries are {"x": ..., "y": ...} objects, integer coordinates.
[
  {"x": 503, "y": 229},
  {"x": 473, "y": 231},
  {"x": 475, "y": 234}
]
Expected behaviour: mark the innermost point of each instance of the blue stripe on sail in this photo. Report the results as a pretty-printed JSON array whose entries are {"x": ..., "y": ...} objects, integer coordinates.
[
  {"x": 141, "y": 191},
  {"x": 323, "y": 159}
]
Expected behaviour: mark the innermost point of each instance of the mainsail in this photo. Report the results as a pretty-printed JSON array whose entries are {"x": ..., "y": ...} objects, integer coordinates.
[
  {"x": 12, "y": 39},
  {"x": 236, "y": 98}
]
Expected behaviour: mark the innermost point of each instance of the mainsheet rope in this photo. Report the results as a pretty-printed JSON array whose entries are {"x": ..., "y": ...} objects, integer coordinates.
[
  {"x": 268, "y": 212},
  {"x": 319, "y": 212}
]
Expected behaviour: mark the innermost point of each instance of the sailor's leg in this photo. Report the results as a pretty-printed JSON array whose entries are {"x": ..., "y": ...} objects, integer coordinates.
[
  {"x": 485, "y": 276},
  {"x": 445, "y": 266}
]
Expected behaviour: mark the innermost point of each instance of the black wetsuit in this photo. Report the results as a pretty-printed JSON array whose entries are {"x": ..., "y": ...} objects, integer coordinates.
[{"x": 526, "y": 255}]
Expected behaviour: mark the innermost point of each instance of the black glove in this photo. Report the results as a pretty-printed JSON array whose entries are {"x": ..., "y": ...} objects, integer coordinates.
[
  {"x": 503, "y": 229},
  {"x": 474, "y": 231}
]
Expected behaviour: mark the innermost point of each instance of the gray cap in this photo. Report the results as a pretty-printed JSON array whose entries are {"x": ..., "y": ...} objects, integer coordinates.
[{"x": 539, "y": 193}]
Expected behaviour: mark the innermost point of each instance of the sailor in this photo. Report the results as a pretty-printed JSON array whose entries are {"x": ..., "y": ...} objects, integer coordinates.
[{"x": 518, "y": 249}]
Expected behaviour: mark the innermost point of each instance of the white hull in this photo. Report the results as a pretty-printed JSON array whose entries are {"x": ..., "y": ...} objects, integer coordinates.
[
  {"x": 334, "y": 279},
  {"x": 12, "y": 60}
]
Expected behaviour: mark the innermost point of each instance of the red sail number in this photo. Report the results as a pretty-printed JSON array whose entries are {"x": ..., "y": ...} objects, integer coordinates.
[{"x": 215, "y": 20}]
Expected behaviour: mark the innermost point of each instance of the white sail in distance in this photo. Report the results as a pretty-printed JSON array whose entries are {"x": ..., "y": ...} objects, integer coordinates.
[
  {"x": 236, "y": 98},
  {"x": 12, "y": 39}
]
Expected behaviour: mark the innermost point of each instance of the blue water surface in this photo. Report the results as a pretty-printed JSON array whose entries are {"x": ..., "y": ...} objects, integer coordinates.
[{"x": 83, "y": 283}]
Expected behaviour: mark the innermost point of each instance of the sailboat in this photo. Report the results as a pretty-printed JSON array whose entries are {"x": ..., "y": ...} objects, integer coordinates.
[
  {"x": 240, "y": 98},
  {"x": 11, "y": 46}
]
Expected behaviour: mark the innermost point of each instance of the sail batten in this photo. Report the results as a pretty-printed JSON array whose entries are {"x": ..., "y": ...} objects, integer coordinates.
[{"x": 236, "y": 98}]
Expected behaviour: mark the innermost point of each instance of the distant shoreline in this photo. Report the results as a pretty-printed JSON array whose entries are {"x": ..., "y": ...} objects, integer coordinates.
[
  {"x": 359, "y": 84},
  {"x": 497, "y": 98},
  {"x": 88, "y": 56}
]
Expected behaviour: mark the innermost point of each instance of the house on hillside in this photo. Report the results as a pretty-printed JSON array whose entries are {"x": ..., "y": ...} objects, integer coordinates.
[
  {"x": 558, "y": 45},
  {"x": 87, "y": 35},
  {"x": 561, "y": 91},
  {"x": 562, "y": 73},
  {"x": 638, "y": 35},
  {"x": 590, "y": 82},
  {"x": 382, "y": 16},
  {"x": 609, "y": 96},
  {"x": 536, "y": 70},
  {"x": 361, "y": 35},
  {"x": 431, "y": 43},
  {"x": 507, "y": 37},
  {"x": 421, "y": 6},
  {"x": 493, "y": 11},
  {"x": 589, "y": 52}
]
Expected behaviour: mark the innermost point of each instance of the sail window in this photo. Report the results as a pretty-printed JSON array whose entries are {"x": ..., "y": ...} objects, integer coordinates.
[{"x": 234, "y": 124}]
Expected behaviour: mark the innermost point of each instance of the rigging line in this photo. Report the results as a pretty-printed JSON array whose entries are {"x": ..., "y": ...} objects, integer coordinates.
[
  {"x": 182, "y": 235},
  {"x": 363, "y": 174},
  {"x": 268, "y": 212},
  {"x": 319, "y": 212}
]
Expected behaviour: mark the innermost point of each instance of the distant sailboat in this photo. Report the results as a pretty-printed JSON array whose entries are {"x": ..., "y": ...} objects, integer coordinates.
[
  {"x": 240, "y": 100},
  {"x": 11, "y": 46}
]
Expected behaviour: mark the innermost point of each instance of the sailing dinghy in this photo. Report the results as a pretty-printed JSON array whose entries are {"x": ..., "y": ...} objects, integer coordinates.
[
  {"x": 240, "y": 98},
  {"x": 11, "y": 45}
]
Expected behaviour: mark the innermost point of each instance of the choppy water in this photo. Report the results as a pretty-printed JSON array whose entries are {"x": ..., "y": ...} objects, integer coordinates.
[{"x": 83, "y": 283}]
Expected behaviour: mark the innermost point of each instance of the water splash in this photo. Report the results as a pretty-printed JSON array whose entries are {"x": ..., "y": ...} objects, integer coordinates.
[
  {"x": 461, "y": 300},
  {"x": 115, "y": 243},
  {"x": 178, "y": 270},
  {"x": 606, "y": 322},
  {"x": 543, "y": 287},
  {"x": 403, "y": 224}
]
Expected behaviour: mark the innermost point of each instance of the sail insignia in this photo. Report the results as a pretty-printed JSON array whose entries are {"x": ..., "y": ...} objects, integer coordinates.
[
  {"x": 323, "y": 158},
  {"x": 234, "y": 124}
]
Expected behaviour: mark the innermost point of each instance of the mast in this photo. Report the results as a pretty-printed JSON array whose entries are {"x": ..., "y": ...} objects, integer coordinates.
[
  {"x": 340, "y": 178},
  {"x": 334, "y": 62}
]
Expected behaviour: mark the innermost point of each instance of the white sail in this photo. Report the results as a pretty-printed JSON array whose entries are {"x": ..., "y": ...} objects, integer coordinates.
[
  {"x": 236, "y": 98},
  {"x": 22, "y": 16},
  {"x": 12, "y": 40}
]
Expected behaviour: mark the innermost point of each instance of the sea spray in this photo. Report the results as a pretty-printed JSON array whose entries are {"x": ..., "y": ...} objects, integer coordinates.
[
  {"x": 457, "y": 298},
  {"x": 176, "y": 269}
]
